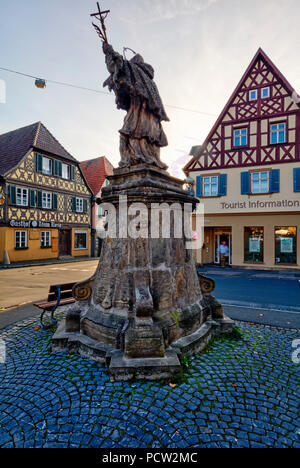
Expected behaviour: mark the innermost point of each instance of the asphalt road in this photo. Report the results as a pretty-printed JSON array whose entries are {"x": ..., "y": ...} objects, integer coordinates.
[{"x": 268, "y": 298}]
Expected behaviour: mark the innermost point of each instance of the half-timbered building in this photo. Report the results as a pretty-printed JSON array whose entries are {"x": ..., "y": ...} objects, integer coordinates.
[
  {"x": 247, "y": 173},
  {"x": 45, "y": 201}
]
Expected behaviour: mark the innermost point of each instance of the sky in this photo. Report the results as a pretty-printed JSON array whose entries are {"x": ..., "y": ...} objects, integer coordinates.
[{"x": 198, "y": 48}]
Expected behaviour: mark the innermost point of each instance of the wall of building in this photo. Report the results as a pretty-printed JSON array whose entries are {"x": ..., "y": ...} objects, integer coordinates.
[
  {"x": 235, "y": 202},
  {"x": 236, "y": 224},
  {"x": 34, "y": 250}
]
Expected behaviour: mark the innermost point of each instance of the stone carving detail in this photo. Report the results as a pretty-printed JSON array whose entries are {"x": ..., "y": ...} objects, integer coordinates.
[
  {"x": 207, "y": 285},
  {"x": 82, "y": 291}
]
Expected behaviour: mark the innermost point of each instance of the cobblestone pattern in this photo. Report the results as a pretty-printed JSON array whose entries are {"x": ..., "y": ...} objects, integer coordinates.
[{"x": 237, "y": 394}]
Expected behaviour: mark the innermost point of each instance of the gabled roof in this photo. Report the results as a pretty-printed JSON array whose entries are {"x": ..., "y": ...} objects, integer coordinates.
[
  {"x": 16, "y": 144},
  {"x": 259, "y": 54},
  {"x": 95, "y": 171}
]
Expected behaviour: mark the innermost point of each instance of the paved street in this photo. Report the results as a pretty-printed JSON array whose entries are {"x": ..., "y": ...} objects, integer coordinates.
[
  {"x": 270, "y": 298},
  {"x": 266, "y": 297},
  {"x": 25, "y": 285},
  {"x": 241, "y": 393}
]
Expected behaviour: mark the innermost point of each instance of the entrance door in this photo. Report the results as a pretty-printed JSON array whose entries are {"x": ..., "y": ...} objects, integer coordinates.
[
  {"x": 65, "y": 242},
  {"x": 219, "y": 238}
]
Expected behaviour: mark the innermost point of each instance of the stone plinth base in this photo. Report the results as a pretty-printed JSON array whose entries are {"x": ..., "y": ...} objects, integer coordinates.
[{"x": 122, "y": 368}]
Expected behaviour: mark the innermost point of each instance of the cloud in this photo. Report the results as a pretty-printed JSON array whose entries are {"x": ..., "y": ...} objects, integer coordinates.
[{"x": 156, "y": 10}]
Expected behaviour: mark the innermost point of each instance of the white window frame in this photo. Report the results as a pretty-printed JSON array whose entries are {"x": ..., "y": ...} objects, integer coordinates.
[
  {"x": 23, "y": 196},
  {"x": 21, "y": 243},
  {"x": 86, "y": 239},
  {"x": 256, "y": 95},
  {"x": 45, "y": 239},
  {"x": 79, "y": 205},
  {"x": 276, "y": 130},
  {"x": 47, "y": 200},
  {"x": 68, "y": 170},
  {"x": 260, "y": 180},
  {"x": 237, "y": 133},
  {"x": 49, "y": 170},
  {"x": 269, "y": 92},
  {"x": 208, "y": 182}
]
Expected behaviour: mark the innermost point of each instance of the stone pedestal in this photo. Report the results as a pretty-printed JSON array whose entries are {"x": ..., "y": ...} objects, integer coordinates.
[{"x": 146, "y": 294}]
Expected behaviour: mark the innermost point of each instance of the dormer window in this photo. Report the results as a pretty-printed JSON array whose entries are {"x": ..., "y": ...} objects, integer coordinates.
[
  {"x": 265, "y": 93},
  {"x": 253, "y": 94}
]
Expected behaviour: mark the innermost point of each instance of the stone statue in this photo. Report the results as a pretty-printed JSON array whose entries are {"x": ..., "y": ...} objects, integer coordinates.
[{"x": 142, "y": 134}]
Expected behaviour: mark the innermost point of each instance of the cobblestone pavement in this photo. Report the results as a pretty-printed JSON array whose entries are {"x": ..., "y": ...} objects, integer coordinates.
[{"x": 237, "y": 394}]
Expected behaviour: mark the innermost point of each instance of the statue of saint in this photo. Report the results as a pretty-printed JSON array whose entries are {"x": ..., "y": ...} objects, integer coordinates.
[{"x": 142, "y": 134}]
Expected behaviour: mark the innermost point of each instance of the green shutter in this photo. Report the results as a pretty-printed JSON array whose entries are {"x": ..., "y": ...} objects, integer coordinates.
[
  {"x": 85, "y": 206},
  {"x": 39, "y": 162},
  {"x": 39, "y": 199},
  {"x": 12, "y": 195},
  {"x": 72, "y": 172},
  {"x": 32, "y": 198},
  {"x": 74, "y": 204},
  {"x": 54, "y": 201},
  {"x": 57, "y": 168}
]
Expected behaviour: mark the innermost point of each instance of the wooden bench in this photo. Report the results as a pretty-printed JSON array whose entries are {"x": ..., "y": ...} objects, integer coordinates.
[{"x": 59, "y": 295}]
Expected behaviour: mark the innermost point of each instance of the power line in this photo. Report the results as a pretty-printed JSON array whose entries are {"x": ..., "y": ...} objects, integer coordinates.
[{"x": 71, "y": 85}]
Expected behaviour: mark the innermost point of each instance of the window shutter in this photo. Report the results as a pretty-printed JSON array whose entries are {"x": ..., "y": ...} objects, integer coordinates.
[
  {"x": 275, "y": 181},
  {"x": 54, "y": 201},
  {"x": 199, "y": 186},
  {"x": 72, "y": 172},
  {"x": 74, "y": 204},
  {"x": 57, "y": 168},
  {"x": 222, "y": 184},
  {"x": 12, "y": 195},
  {"x": 39, "y": 162},
  {"x": 85, "y": 206},
  {"x": 32, "y": 198},
  {"x": 297, "y": 179},
  {"x": 39, "y": 199},
  {"x": 245, "y": 183}
]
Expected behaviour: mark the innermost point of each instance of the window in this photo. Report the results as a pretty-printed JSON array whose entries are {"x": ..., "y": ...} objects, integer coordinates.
[
  {"x": 286, "y": 245},
  {"x": 265, "y": 93},
  {"x": 210, "y": 186},
  {"x": 21, "y": 240},
  {"x": 260, "y": 182},
  {"x": 66, "y": 171},
  {"x": 240, "y": 137},
  {"x": 254, "y": 244},
  {"x": 79, "y": 205},
  {"x": 21, "y": 196},
  {"x": 47, "y": 166},
  {"x": 80, "y": 240},
  {"x": 278, "y": 133},
  {"x": 253, "y": 95},
  {"x": 46, "y": 200},
  {"x": 45, "y": 239}
]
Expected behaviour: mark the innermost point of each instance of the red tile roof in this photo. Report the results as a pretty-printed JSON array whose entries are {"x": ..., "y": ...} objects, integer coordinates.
[
  {"x": 95, "y": 171},
  {"x": 16, "y": 144}
]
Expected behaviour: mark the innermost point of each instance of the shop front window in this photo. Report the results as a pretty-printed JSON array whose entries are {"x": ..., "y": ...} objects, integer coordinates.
[
  {"x": 254, "y": 244},
  {"x": 286, "y": 245},
  {"x": 80, "y": 240}
]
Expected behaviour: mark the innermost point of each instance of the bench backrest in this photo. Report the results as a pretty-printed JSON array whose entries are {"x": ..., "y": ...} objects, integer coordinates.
[{"x": 66, "y": 291}]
